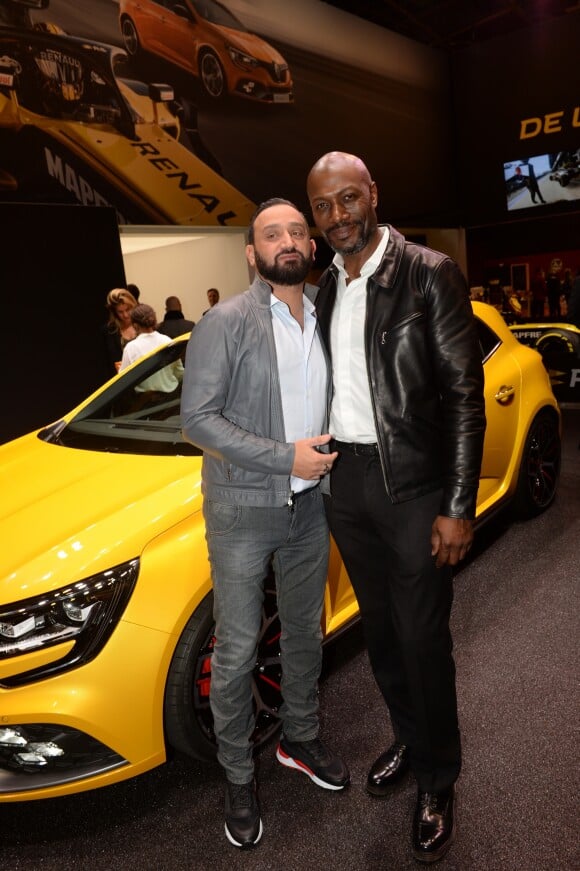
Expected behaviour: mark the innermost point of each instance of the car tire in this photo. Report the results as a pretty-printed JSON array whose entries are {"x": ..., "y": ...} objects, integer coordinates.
[
  {"x": 130, "y": 37},
  {"x": 188, "y": 717},
  {"x": 212, "y": 75},
  {"x": 539, "y": 468}
]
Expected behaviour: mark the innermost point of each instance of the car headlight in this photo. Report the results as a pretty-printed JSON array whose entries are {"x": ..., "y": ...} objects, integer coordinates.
[
  {"x": 242, "y": 59},
  {"x": 84, "y": 613}
]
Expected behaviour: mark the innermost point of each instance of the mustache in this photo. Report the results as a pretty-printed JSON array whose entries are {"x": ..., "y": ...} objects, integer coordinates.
[
  {"x": 341, "y": 224},
  {"x": 290, "y": 251}
]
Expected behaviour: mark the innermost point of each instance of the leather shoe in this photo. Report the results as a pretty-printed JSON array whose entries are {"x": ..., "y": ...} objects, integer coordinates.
[
  {"x": 433, "y": 825},
  {"x": 388, "y": 769}
]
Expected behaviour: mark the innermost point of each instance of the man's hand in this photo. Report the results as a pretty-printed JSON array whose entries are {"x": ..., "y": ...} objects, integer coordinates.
[
  {"x": 309, "y": 463},
  {"x": 451, "y": 539}
]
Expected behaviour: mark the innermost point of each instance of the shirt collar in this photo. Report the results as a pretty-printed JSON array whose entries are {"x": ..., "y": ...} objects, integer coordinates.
[
  {"x": 308, "y": 305},
  {"x": 373, "y": 263}
]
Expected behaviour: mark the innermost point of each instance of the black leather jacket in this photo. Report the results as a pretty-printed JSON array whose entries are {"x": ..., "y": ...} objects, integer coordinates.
[{"x": 425, "y": 374}]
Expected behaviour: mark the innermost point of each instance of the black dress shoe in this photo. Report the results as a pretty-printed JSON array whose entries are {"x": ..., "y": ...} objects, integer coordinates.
[
  {"x": 433, "y": 825},
  {"x": 388, "y": 769}
]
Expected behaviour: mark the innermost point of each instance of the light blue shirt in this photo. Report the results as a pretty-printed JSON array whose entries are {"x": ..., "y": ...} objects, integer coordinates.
[{"x": 303, "y": 376}]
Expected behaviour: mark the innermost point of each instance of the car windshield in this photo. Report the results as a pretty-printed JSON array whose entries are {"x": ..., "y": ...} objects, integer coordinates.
[
  {"x": 217, "y": 14},
  {"x": 138, "y": 413}
]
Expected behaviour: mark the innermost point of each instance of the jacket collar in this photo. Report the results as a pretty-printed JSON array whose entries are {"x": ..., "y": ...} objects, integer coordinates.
[{"x": 386, "y": 273}]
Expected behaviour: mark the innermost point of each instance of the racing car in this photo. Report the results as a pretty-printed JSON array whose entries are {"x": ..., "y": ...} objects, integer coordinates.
[
  {"x": 75, "y": 127},
  {"x": 566, "y": 168},
  {"x": 559, "y": 345}
]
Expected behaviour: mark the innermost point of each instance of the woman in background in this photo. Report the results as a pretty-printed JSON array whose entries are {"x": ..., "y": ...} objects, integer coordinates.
[{"x": 119, "y": 329}]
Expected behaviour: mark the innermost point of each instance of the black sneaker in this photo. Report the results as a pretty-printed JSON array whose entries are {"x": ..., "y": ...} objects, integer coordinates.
[
  {"x": 243, "y": 822},
  {"x": 315, "y": 760}
]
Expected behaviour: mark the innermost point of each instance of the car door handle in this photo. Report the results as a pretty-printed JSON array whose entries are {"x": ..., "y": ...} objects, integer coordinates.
[{"x": 505, "y": 394}]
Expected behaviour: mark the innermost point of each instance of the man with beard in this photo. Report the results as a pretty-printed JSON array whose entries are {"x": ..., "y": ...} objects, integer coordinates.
[
  {"x": 255, "y": 397},
  {"x": 408, "y": 421}
]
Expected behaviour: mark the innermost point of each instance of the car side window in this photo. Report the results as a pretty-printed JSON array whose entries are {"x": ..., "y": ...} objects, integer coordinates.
[
  {"x": 178, "y": 8},
  {"x": 488, "y": 340}
]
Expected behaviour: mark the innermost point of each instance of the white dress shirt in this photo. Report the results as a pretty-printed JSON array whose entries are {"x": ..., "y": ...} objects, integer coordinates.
[
  {"x": 303, "y": 376},
  {"x": 351, "y": 413}
]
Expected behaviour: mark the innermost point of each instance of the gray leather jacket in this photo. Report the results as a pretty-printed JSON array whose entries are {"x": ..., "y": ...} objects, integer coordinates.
[{"x": 231, "y": 404}]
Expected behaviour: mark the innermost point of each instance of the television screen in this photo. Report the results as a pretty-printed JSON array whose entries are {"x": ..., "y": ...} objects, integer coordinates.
[{"x": 545, "y": 179}]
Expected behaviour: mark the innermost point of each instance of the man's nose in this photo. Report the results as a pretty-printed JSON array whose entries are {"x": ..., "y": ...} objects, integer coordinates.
[
  {"x": 287, "y": 239},
  {"x": 338, "y": 212}
]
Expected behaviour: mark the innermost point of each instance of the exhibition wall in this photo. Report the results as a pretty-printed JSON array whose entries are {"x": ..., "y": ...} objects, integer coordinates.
[
  {"x": 171, "y": 261},
  {"x": 94, "y": 137}
]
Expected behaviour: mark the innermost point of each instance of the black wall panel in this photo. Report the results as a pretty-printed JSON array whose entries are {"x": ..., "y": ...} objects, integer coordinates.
[{"x": 57, "y": 264}]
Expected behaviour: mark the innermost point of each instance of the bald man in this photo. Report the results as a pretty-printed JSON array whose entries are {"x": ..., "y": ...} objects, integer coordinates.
[{"x": 408, "y": 421}]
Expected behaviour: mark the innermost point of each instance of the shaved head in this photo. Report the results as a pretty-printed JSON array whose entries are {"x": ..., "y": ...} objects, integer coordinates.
[
  {"x": 343, "y": 199},
  {"x": 339, "y": 162}
]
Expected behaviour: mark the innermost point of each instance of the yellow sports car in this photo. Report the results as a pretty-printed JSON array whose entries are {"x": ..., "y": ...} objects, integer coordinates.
[
  {"x": 76, "y": 127},
  {"x": 105, "y": 596}
]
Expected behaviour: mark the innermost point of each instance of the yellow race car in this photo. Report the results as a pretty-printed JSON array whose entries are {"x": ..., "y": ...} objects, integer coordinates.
[
  {"x": 559, "y": 345},
  {"x": 106, "y": 626},
  {"x": 76, "y": 127}
]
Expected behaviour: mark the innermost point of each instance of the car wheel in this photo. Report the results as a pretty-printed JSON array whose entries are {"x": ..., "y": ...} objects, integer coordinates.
[
  {"x": 130, "y": 37},
  {"x": 212, "y": 75},
  {"x": 188, "y": 717},
  {"x": 540, "y": 467}
]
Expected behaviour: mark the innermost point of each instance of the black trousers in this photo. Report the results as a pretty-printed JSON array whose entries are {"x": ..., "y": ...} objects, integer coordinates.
[{"x": 405, "y": 604}]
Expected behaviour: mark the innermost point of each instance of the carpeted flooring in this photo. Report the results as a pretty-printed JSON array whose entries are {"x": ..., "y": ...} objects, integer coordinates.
[{"x": 515, "y": 626}]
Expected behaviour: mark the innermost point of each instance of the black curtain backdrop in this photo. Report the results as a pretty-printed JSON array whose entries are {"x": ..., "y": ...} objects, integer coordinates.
[{"x": 57, "y": 264}]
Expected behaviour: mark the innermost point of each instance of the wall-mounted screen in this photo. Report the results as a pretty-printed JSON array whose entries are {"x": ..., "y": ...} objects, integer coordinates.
[{"x": 545, "y": 179}]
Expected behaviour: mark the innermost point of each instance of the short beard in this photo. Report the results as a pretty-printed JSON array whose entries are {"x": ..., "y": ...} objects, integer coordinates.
[
  {"x": 286, "y": 275},
  {"x": 356, "y": 247}
]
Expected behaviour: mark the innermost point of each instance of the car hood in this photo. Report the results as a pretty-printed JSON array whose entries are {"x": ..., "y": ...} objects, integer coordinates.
[
  {"x": 252, "y": 44},
  {"x": 66, "y": 514}
]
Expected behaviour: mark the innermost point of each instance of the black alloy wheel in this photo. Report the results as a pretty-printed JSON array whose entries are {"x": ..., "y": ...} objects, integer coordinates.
[
  {"x": 540, "y": 466},
  {"x": 188, "y": 717}
]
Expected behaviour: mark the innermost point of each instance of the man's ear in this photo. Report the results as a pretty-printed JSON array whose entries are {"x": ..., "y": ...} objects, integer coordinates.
[
  {"x": 250, "y": 256},
  {"x": 313, "y": 247}
]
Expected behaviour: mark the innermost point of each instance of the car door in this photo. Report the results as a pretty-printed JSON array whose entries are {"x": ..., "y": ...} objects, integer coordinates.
[
  {"x": 177, "y": 32},
  {"x": 503, "y": 386}
]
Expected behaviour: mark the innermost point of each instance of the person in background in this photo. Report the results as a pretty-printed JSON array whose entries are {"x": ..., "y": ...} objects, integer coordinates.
[
  {"x": 554, "y": 290},
  {"x": 533, "y": 185},
  {"x": 255, "y": 395},
  {"x": 574, "y": 301},
  {"x": 134, "y": 291},
  {"x": 408, "y": 421},
  {"x": 566, "y": 288},
  {"x": 213, "y": 297},
  {"x": 539, "y": 292},
  {"x": 119, "y": 329},
  {"x": 174, "y": 323},
  {"x": 144, "y": 321},
  {"x": 147, "y": 339}
]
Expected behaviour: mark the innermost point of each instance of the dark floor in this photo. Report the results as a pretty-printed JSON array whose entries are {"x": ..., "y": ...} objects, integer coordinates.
[{"x": 516, "y": 644}]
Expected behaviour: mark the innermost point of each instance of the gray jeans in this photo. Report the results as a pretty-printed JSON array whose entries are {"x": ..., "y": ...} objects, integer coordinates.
[{"x": 241, "y": 542}]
